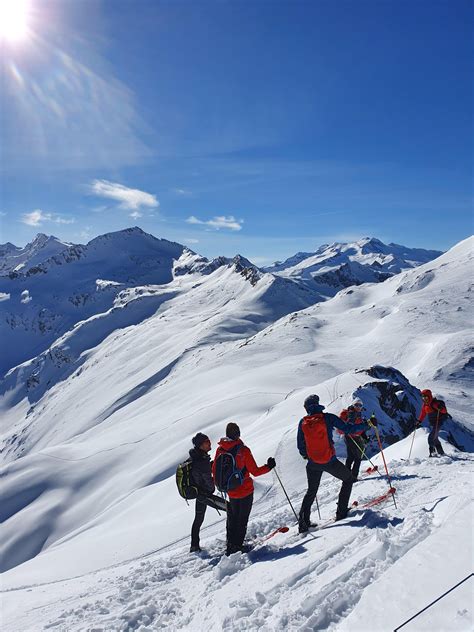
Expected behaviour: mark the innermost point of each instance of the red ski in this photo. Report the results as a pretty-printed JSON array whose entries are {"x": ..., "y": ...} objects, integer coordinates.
[{"x": 375, "y": 501}]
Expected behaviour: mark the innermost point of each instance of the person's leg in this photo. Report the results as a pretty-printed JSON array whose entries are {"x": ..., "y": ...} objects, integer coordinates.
[
  {"x": 349, "y": 452},
  {"x": 245, "y": 507},
  {"x": 313, "y": 474},
  {"x": 340, "y": 471},
  {"x": 230, "y": 525},
  {"x": 359, "y": 446},
  {"x": 198, "y": 520},
  {"x": 432, "y": 441}
]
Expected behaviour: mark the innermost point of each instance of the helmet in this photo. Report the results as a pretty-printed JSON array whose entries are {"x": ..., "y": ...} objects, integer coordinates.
[
  {"x": 357, "y": 402},
  {"x": 311, "y": 403}
]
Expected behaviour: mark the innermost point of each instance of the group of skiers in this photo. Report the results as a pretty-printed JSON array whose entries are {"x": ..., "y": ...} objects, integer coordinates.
[{"x": 233, "y": 465}]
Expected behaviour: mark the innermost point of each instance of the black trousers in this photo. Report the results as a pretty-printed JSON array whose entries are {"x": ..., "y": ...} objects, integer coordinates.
[
  {"x": 355, "y": 447},
  {"x": 433, "y": 441},
  {"x": 314, "y": 471},
  {"x": 202, "y": 503},
  {"x": 238, "y": 512}
]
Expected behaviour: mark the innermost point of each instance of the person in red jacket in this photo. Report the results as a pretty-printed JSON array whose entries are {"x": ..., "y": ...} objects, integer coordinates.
[
  {"x": 357, "y": 441},
  {"x": 240, "y": 500},
  {"x": 436, "y": 411}
]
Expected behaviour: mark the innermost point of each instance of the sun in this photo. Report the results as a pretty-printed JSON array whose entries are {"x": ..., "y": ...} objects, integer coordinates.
[{"x": 14, "y": 17}]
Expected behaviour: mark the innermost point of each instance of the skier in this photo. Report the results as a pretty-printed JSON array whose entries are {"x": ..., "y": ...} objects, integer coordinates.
[
  {"x": 356, "y": 442},
  {"x": 315, "y": 444},
  {"x": 437, "y": 414},
  {"x": 202, "y": 479},
  {"x": 241, "y": 497}
]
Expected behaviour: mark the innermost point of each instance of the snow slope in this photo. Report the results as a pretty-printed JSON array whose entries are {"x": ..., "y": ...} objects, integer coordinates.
[
  {"x": 372, "y": 571},
  {"x": 101, "y": 420}
]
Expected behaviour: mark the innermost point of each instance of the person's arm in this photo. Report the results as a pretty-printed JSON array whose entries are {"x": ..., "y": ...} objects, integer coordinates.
[
  {"x": 301, "y": 441},
  {"x": 250, "y": 464},
  {"x": 345, "y": 427}
]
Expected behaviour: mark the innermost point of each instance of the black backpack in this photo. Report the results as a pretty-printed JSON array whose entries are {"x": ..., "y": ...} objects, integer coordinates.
[
  {"x": 184, "y": 480},
  {"x": 227, "y": 475}
]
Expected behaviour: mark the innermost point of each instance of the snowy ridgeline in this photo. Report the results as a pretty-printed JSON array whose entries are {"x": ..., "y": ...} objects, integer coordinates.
[{"x": 95, "y": 423}]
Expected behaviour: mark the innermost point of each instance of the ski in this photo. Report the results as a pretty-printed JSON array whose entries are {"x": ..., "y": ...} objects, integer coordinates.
[
  {"x": 375, "y": 501},
  {"x": 259, "y": 541}
]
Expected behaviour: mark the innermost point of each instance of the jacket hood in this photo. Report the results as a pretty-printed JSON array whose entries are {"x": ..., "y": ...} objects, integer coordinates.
[
  {"x": 315, "y": 410},
  {"x": 428, "y": 393},
  {"x": 227, "y": 444}
]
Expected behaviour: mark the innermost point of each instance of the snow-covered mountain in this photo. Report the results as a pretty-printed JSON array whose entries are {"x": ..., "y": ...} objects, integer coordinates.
[
  {"x": 14, "y": 259},
  {"x": 334, "y": 267},
  {"x": 94, "y": 425}
]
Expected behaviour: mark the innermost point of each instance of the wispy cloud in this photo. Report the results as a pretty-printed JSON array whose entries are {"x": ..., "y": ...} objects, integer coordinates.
[
  {"x": 38, "y": 217},
  {"x": 191, "y": 241},
  {"x": 218, "y": 222},
  {"x": 182, "y": 192},
  {"x": 129, "y": 199}
]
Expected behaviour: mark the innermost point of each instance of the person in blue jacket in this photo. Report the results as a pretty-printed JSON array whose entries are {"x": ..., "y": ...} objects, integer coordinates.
[{"x": 316, "y": 445}]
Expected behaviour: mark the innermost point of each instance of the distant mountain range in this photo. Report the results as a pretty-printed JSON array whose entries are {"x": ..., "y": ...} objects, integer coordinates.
[{"x": 49, "y": 286}]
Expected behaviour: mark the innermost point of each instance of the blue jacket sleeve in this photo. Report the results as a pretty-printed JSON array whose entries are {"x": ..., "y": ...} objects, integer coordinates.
[
  {"x": 345, "y": 427},
  {"x": 301, "y": 442}
]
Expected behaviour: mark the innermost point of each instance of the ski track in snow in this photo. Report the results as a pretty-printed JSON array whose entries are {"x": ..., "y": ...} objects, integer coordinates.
[{"x": 324, "y": 580}]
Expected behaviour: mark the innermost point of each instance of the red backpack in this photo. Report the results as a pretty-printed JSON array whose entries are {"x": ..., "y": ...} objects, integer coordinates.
[{"x": 319, "y": 446}]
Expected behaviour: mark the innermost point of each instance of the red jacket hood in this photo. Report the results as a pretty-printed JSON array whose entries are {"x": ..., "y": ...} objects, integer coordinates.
[
  {"x": 429, "y": 393},
  {"x": 227, "y": 444}
]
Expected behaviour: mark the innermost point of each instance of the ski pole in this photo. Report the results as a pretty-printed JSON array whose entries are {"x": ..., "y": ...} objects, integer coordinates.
[
  {"x": 287, "y": 497},
  {"x": 290, "y": 503},
  {"x": 384, "y": 461},
  {"x": 362, "y": 452},
  {"x": 412, "y": 440},
  {"x": 317, "y": 505}
]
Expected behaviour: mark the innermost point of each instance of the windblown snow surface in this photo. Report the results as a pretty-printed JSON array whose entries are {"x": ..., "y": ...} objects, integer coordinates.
[{"x": 94, "y": 534}]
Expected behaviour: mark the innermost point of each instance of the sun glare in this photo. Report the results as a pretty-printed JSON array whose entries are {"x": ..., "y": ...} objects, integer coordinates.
[{"x": 14, "y": 16}]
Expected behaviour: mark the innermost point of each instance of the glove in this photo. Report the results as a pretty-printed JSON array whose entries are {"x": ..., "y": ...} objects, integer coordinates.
[{"x": 271, "y": 463}]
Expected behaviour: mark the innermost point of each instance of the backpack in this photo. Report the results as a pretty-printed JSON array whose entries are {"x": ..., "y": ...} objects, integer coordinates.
[
  {"x": 184, "y": 480},
  {"x": 227, "y": 475}
]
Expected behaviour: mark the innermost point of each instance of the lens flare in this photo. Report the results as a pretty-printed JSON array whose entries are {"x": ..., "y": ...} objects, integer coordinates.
[{"x": 14, "y": 16}]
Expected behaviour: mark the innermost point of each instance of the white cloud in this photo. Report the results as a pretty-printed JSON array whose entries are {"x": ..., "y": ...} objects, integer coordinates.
[
  {"x": 182, "y": 192},
  {"x": 129, "y": 199},
  {"x": 218, "y": 222},
  {"x": 38, "y": 217},
  {"x": 25, "y": 297},
  {"x": 191, "y": 241}
]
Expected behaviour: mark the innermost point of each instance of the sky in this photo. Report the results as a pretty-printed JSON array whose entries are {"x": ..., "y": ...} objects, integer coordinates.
[{"x": 262, "y": 128}]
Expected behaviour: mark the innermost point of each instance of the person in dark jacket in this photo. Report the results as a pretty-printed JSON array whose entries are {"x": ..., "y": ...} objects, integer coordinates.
[
  {"x": 240, "y": 500},
  {"x": 356, "y": 442},
  {"x": 436, "y": 411},
  {"x": 202, "y": 479},
  {"x": 315, "y": 444}
]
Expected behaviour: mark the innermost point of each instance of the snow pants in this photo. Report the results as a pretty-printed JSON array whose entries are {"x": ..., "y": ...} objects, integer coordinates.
[
  {"x": 314, "y": 471},
  {"x": 355, "y": 447},
  {"x": 202, "y": 503},
  {"x": 238, "y": 512},
  {"x": 433, "y": 442}
]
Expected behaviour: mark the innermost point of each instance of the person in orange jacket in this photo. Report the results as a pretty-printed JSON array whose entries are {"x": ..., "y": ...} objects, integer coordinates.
[
  {"x": 240, "y": 500},
  {"x": 436, "y": 411}
]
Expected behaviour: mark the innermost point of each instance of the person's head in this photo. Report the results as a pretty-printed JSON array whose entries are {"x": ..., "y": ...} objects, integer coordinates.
[
  {"x": 202, "y": 442},
  {"x": 311, "y": 404},
  {"x": 426, "y": 395},
  {"x": 232, "y": 431},
  {"x": 357, "y": 404}
]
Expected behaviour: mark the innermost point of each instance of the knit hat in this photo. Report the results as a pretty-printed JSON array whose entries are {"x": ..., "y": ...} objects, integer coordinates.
[
  {"x": 199, "y": 439},
  {"x": 311, "y": 403},
  {"x": 232, "y": 431}
]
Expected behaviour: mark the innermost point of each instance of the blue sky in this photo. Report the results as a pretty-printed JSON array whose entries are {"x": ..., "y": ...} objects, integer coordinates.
[{"x": 262, "y": 128}]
